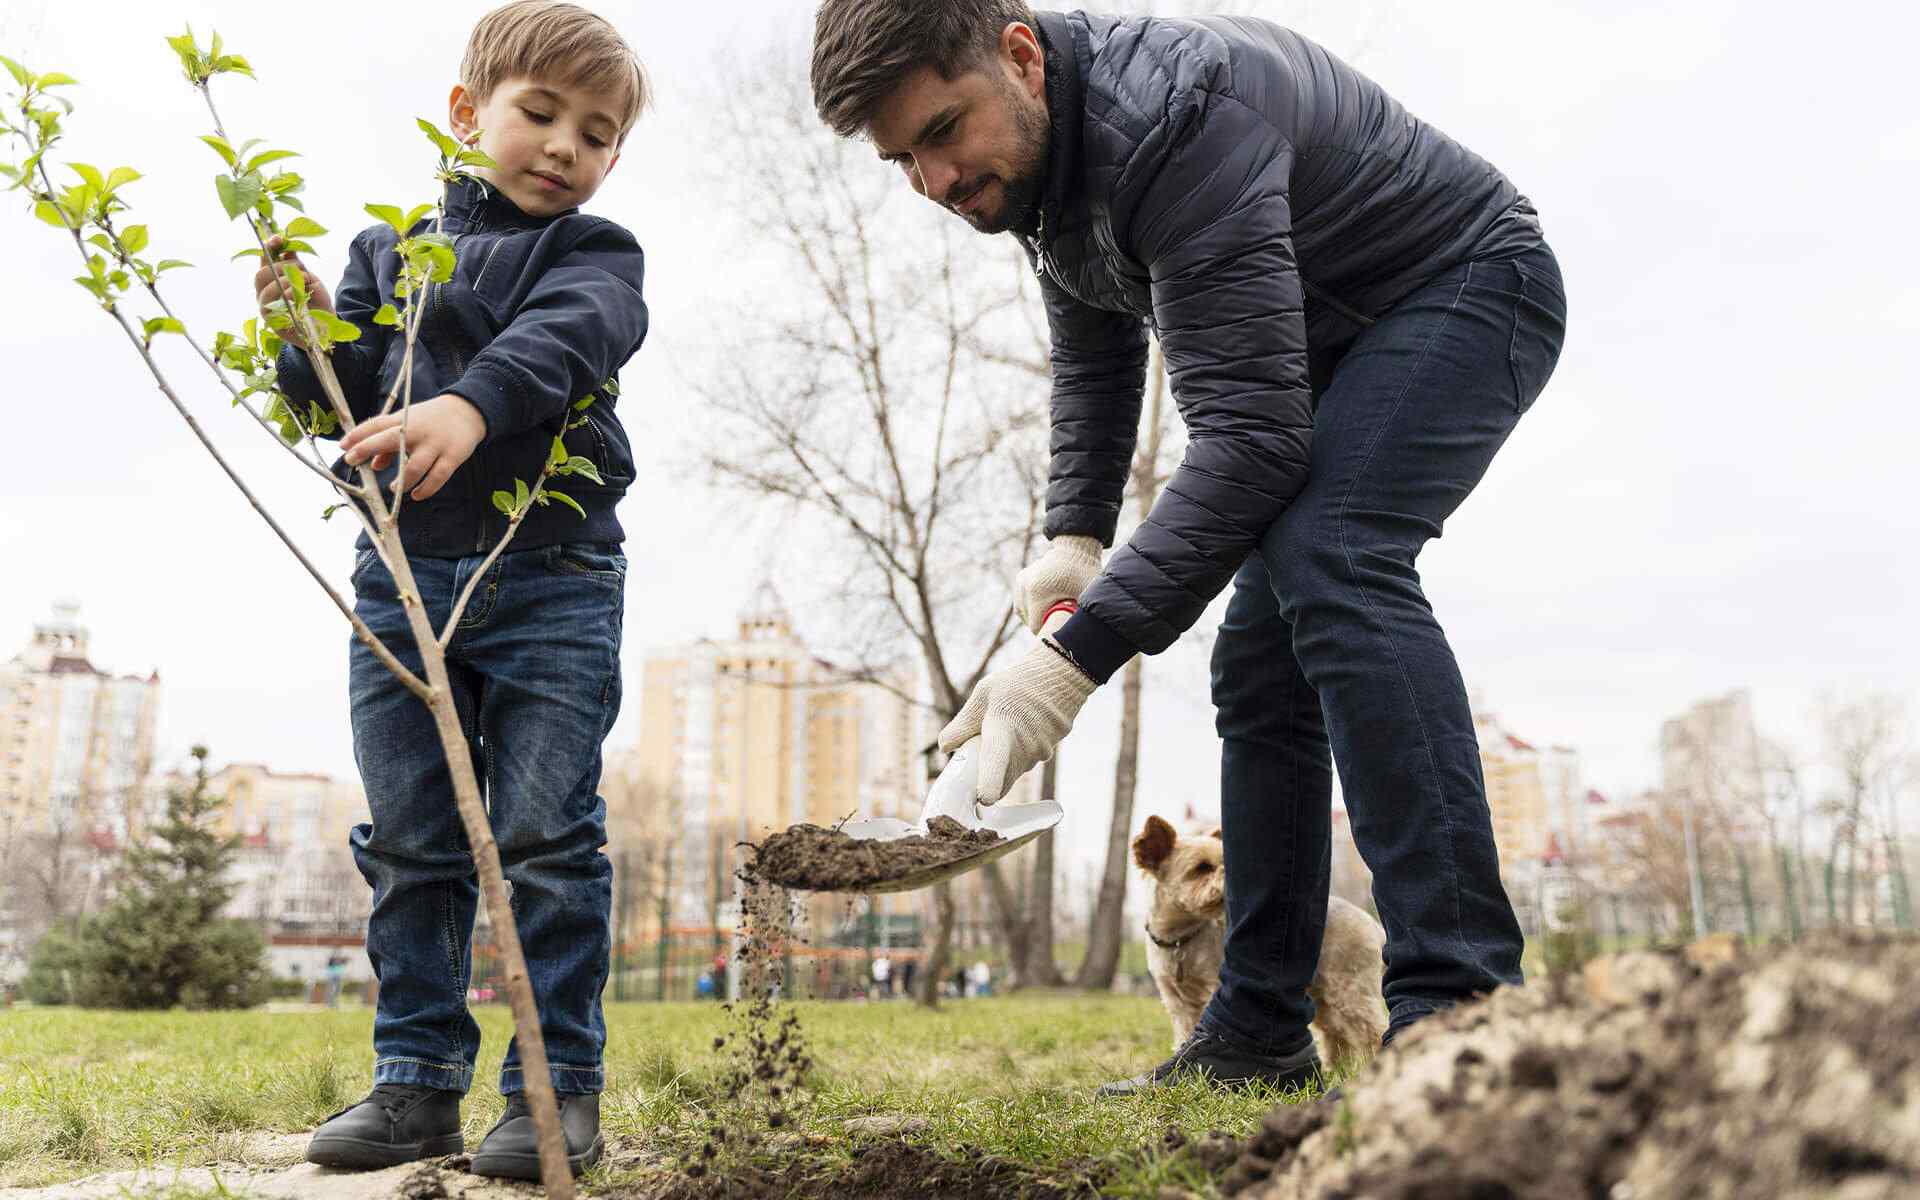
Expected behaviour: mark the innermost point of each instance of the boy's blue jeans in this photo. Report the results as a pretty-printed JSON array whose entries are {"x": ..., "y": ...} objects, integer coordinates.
[
  {"x": 535, "y": 667},
  {"x": 1329, "y": 644}
]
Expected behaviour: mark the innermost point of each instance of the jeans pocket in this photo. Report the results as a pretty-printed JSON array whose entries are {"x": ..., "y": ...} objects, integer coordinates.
[
  {"x": 588, "y": 560},
  {"x": 361, "y": 562},
  {"x": 1539, "y": 328}
]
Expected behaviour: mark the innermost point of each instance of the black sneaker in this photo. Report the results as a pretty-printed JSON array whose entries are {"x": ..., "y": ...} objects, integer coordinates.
[
  {"x": 397, "y": 1123},
  {"x": 1225, "y": 1062},
  {"x": 511, "y": 1151}
]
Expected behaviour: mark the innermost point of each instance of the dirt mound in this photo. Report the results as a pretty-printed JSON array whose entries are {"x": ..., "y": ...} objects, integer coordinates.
[
  {"x": 819, "y": 859},
  {"x": 887, "y": 1170},
  {"x": 1787, "y": 1076}
]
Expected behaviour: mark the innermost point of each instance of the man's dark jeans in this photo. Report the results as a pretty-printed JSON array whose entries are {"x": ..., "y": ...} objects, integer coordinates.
[
  {"x": 535, "y": 668},
  {"x": 1329, "y": 642}
]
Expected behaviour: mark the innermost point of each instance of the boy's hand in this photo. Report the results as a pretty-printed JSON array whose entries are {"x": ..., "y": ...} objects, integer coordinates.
[
  {"x": 441, "y": 434},
  {"x": 267, "y": 288}
]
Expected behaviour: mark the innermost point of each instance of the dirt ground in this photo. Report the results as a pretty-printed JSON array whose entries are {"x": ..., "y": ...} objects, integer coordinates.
[{"x": 1708, "y": 1073}]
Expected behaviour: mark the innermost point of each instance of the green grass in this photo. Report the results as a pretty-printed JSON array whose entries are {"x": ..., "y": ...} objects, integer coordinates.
[{"x": 82, "y": 1092}]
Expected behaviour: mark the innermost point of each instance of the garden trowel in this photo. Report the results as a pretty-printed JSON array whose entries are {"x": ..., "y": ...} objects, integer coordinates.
[{"x": 952, "y": 796}]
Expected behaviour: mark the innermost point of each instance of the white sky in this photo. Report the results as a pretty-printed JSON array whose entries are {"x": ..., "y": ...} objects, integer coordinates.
[{"x": 1716, "y": 490}]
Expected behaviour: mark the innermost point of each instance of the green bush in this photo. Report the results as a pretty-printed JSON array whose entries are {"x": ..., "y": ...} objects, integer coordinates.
[{"x": 53, "y": 968}]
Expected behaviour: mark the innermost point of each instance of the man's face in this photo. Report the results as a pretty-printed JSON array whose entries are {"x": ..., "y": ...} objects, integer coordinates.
[
  {"x": 554, "y": 142},
  {"x": 975, "y": 145}
]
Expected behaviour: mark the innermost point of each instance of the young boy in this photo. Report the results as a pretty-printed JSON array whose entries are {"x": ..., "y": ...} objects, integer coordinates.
[{"x": 543, "y": 309}]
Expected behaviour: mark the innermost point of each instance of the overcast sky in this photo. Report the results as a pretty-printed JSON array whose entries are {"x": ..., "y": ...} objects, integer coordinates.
[{"x": 1717, "y": 489}]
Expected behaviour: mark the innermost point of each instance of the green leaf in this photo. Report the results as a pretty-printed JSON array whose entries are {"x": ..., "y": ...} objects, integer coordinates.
[
  {"x": 326, "y": 514},
  {"x": 584, "y": 403},
  {"x": 342, "y": 331},
  {"x": 159, "y": 325},
  {"x": 441, "y": 141},
  {"x": 270, "y": 156},
  {"x": 388, "y": 315},
  {"x": 220, "y": 147},
  {"x": 519, "y": 493},
  {"x": 284, "y": 182},
  {"x": 569, "y": 501},
  {"x": 391, "y": 214},
  {"x": 51, "y": 212},
  {"x": 418, "y": 214},
  {"x": 240, "y": 254},
  {"x": 101, "y": 240},
  {"x": 557, "y": 454},
  {"x": 296, "y": 246},
  {"x": 476, "y": 158},
  {"x": 168, "y": 264},
  {"x": 238, "y": 195},
  {"x": 20, "y": 74},
  {"x": 443, "y": 264},
  {"x": 504, "y": 502},
  {"x": 55, "y": 79},
  {"x": 121, "y": 176},
  {"x": 584, "y": 467},
  {"x": 305, "y": 227},
  {"x": 233, "y": 63},
  {"x": 133, "y": 239},
  {"x": 91, "y": 174}
]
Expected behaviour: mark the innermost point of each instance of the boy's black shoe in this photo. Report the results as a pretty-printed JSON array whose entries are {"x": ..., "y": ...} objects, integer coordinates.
[
  {"x": 396, "y": 1123},
  {"x": 1224, "y": 1061},
  {"x": 511, "y": 1151}
]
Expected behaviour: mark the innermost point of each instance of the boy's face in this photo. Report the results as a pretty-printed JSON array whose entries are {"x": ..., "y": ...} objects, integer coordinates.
[{"x": 554, "y": 142}]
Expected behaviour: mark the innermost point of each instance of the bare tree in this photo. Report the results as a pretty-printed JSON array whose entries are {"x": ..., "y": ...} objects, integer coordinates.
[
  {"x": 860, "y": 395},
  {"x": 1867, "y": 751}
]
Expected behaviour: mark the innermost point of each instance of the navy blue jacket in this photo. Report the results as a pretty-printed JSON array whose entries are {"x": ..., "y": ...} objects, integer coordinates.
[
  {"x": 1257, "y": 201},
  {"x": 540, "y": 313}
]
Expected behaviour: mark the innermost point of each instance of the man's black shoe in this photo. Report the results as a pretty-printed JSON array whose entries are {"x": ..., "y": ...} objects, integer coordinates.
[
  {"x": 511, "y": 1151},
  {"x": 396, "y": 1123},
  {"x": 1225, "y": 1062}
]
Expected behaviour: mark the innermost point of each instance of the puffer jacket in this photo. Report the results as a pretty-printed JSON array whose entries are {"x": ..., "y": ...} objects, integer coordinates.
[
  {"x": 1258, "y": 202},
  {"x": 541, "y": 312}
]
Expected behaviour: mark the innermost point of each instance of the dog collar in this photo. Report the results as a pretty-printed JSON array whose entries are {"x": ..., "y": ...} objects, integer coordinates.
[{"x": 1174, "y": 943}]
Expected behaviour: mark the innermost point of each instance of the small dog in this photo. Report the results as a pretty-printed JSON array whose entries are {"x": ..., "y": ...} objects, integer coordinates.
[{"x": 1186, "y": 930}]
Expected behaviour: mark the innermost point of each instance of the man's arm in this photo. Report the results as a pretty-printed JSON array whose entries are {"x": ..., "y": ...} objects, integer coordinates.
[
  {"x": 1204, "y": 204},
  {"x": 1099, "y": 369},
  {"x": 581, "y": 321},
  {"x": 357, "y": 363}
]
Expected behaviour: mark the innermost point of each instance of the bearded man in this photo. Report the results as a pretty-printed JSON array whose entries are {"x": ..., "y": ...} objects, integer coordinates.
[{"x": 1355, "y": 311}]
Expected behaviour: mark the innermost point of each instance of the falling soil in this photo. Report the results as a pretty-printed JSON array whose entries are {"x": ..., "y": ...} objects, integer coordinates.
[
  {"x": 1710, "y": 1073},
  {"x": 819, "y": 859},
  {"x": 893, "y": 1170}
]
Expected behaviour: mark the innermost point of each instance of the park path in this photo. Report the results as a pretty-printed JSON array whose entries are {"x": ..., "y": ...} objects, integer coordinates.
[{"x": 271, "y": 1169}]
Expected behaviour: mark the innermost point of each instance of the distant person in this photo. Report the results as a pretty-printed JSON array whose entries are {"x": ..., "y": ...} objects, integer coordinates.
[
  {"x": 883, "y": 976},
  {"x": 336, "y": 977},
  {"x": 542, "y": 311},
  {"x": 907, "y": 971},
  {"x": 981, "y": 977},
  {"x": 1355, "y": 311}
]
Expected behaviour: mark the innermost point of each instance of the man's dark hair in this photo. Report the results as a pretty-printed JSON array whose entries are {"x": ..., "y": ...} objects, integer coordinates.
[{"x": 864, "y": 49}]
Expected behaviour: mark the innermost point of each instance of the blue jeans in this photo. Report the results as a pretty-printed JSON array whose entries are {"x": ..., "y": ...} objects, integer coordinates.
[
  {"x": 535, "y": 667},
  {"x": 1329, "y": 644}
]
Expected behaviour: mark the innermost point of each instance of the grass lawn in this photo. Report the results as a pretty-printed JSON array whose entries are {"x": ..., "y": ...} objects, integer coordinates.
[{"x": 82, "y": 1092}]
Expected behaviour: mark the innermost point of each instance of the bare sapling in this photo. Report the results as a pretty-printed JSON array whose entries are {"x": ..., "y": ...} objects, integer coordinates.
[{"x": 94, "y": 213}]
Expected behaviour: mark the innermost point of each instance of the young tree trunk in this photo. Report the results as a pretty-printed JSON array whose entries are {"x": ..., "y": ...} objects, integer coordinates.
[
  {"x": 1010, "y": 922},
  {"x": 1788, "y": 893},
  {"x": 1747, "y": 904},
  {"x": 940, "y": 958},
  {"x": 556, "y": 1177},
  {"x": 1042, "y": 969},
  {"x": 1105, "y": 935}
]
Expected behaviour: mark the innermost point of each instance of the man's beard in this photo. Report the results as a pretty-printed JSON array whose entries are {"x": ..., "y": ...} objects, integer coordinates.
[{"x": 1021, "y": 191}]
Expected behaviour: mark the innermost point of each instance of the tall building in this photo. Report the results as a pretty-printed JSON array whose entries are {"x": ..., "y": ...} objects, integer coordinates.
[
  {"x": 76, "y": 744},
  {"x": 744, "y": 736},
  {"x": 1538, "y": 804}
]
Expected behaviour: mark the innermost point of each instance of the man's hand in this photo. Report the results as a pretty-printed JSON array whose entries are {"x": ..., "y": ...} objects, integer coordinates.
[
  {"x": 441, "y": 434},
  {"x": 1062, "y": 573},
  {"x": 1019, "y": 713},
  {"x": 268, "y": 289}
]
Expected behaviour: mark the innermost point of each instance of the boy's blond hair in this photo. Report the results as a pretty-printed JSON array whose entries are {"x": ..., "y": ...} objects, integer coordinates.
[{"x": 549, "y": 39}]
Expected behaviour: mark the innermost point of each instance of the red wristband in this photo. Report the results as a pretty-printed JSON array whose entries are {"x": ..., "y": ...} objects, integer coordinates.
[{"x": 1068, "y": 607}]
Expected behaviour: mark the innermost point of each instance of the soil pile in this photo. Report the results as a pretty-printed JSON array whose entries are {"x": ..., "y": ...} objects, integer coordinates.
[
  {"x": 1650, "y": 1076},
  {"x": 819, "y": 859},
  {"x": 890, "y": 1170}
]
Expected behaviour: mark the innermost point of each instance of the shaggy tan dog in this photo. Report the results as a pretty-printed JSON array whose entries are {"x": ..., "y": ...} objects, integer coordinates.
[{"x": 1186, "y": 929}]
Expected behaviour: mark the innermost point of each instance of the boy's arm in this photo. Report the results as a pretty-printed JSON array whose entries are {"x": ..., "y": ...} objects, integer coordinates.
[
  {"x": 357, "y": 363},
  {"x": 582, "y": 320}
]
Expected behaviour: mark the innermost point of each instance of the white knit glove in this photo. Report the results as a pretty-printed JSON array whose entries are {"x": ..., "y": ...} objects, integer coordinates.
[
  {"x": 1062, "y": 573},
  {"x": 1019, "y": 713}
]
